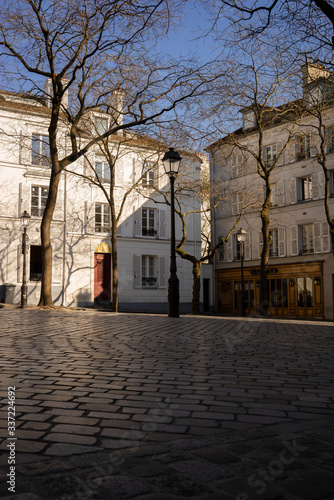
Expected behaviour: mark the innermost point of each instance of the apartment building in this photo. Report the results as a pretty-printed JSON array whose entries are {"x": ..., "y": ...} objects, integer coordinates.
[
  {"x": 80, "y": 231},
  {"x": 301, "y": 263}
]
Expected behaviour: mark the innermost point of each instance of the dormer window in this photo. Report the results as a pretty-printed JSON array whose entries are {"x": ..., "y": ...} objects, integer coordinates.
[
  {"x": 249, "y": 119},
  {"x": 101, "y": 125}
]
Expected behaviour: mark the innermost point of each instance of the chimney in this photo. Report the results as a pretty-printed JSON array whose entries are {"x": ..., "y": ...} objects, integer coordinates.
[
  {"x": 48, "y": 90},
  {"x": 116, "y": 106},
  {"x": 248, "y": 118},
  {"x": 313, "y": 76}
]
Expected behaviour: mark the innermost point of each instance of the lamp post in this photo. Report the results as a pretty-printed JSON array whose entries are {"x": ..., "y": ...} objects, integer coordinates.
[
  {"x": 25, "y": 219},
  {"x": 171, "y": 162},
  {"x": 241, "y": 238}
]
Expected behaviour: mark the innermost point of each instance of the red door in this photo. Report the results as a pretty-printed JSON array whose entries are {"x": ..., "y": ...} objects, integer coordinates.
[{"x": 102, "y": 277}]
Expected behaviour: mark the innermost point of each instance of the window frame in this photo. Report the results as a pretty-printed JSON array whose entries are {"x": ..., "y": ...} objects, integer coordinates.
[
  {"x": 302, "y": 147},
  {"x": 149, "y": 229},
  {"x": 105, "y": 166},
  {"x": 305, "y": 189},
  {"x": 37, "y": 211},
  {"x": 149, "y": 277},
  {"x": 274, "y": 235},
  {"x": 103, "y": 225},
  {"x": 148, "y": 174},
  {"x": 307, "y": 233},
  {"x": 40, "y": 157}
]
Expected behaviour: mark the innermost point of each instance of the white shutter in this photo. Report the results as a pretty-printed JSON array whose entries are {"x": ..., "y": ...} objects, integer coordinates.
[
  {"x": 89, "y": 217},
  {"x": 133, "y": 170},
  {"x": 56, "y": 268},
  {"x": 294, "y": 240},
  {"x": 24, "y": 198},
  {"x": 293, "y": 190},
  {"x": 281, "y": 242},
  {"x": 260, "y": 243},
  {"x": 19, "y": 263},
  {"x": 315, "y": 186},
  {"x": 234, "y": 204},
  {"x": 229, "y": 250},
  {"x": 280, "y": 192},
  {"x": 58, "y": 213},
  {"x": 317, "y": 237},
  {"x": 322, "y": 184},
  {"x": 248, "y": 247},
  {"x": 162, "y": 224},
  {"x": 162, "y": 278},
  {"x": 137, "y": 223},
  {"x": 325, "y": 237},
  {"x": 137, "y": 271},
  {"x": 279, "y": 147},
  {"x": 118, "y": 166}
]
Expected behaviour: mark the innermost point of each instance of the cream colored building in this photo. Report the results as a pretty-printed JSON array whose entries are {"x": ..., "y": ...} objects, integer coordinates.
[
  {"x": 301, "y": 265},
  {"x": 81, "y": 225}
]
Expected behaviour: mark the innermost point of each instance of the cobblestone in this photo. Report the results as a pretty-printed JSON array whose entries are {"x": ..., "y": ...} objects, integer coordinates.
[{"x": 116, "y": 406}]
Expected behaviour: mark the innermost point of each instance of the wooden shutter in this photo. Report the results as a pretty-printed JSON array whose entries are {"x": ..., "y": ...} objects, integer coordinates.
[
  {"x": 229, "y": 250},
  {"x": 325, "y": 237},
  {"x": 234, "y": 204},
  {"x": 260, "y": 243},
  {"x": 294, "y": 240},
  {"x": 293, "y": 190},
  {"x": 317, "y": 237},
  {"x": 162, "y": 278},
  {"x": 280, "y": 192},
  {"x": 137, "y": 223},
  {"x": 315, "y": 186},
  {"x": 281, "y": 242},
  {"x": 248, "y": 247},
  {"x": 137, "y": 271},
  {"x": 162, "y": 224},
  {"x": 24, "y": 198}
]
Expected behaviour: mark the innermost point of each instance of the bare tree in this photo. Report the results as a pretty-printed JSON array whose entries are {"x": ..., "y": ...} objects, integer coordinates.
[{"x": 86, "y": 51}]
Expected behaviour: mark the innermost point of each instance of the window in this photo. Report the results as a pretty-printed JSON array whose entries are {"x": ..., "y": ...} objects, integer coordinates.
[
  {"x": 148, "y": 222},
  {"x": 330, "y": 140},
  {"x": 102, "y": 219},
  {"x": 221, "y": 248},
  {"x": 148, "y": 270},
  {"x": 102, "y": 170},
  {"x": 101, "y": 125},
  {"x": 307, "y": 238},
  {"x": 35, "y": 263},
  {"x": 238, "y": 249},
  {"x": 273, "y": 249},
  {"x": 40, "y": 150},
  {"x": 148, "y": 177},
  {"x": 39, "y": 195},
  {"x": 305, "y": 188},
  {"x": 302, "y": 147},
  {"x": 270, "y": 154}
]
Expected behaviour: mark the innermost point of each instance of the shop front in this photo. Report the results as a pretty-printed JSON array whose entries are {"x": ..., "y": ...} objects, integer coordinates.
[{"x": 293, "y": 290}]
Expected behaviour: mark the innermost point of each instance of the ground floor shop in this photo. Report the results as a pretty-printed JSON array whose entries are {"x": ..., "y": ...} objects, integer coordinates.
[{"x": 294, "y": 290}]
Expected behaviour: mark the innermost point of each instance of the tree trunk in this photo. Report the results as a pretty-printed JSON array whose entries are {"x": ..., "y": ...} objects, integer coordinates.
[
  {"x": 46, "y": 285},
  {"x": 195, "y": 304},
  {"x": 114, "y": 305},
  {"x": 263, "y": 306}
]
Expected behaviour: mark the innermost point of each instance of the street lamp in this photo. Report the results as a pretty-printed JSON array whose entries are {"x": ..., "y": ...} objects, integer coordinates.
[
  {"x": 25, "y": 219},
  {"x": 241, "y": 238},
  {"x": 171, "y": 162}
]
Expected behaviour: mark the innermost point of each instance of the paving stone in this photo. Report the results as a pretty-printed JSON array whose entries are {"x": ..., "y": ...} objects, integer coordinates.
[
  {"x": 200, "y": 471},
  {"x": 63, "y": 449},
  {"x": 70, "y": 438},
  {"x": 124, "y": 486},
  {"x": 216, "y": 454}
]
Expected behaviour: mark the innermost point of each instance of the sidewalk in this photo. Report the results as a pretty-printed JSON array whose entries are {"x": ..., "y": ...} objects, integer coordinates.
[{"x": 146, "y": 407}]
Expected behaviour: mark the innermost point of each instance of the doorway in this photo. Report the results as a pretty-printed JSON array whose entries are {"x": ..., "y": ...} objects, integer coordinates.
[{"x": 102, "y": 278}]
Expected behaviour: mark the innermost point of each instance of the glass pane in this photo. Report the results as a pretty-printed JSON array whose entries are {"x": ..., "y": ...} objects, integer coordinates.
[
  {"x": 273, "y": 293},
  {"x": 285, "y": 292},
  {"x": 309, "y": 292},
  {"x": 279, "y": 292},
  {"x": 107, "y": 176},
  {"x": 300, "y": 291},
  {"x": 35, "y": 149},
  {"x": 98, "y": 170}
]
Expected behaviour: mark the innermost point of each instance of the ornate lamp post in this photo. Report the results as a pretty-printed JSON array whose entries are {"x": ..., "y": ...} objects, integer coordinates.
[
  {"x": 25, "y": 220},
  {"x": 241, "y": 238},
  {"x": 171, "y": 162}
]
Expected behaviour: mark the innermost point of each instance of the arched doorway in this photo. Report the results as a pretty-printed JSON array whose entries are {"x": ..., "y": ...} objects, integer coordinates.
[{"x": 102, "y": 275}]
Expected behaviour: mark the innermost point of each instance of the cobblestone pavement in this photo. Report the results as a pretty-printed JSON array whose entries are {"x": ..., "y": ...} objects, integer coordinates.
[{"x": 146, "y": 407}]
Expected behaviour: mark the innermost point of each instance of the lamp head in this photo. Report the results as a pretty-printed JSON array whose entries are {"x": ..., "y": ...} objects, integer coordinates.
[
  {"x": 25, "y": 219},
  {"x": 171, "y": 162},
  {"x": 241, "y": 235}
]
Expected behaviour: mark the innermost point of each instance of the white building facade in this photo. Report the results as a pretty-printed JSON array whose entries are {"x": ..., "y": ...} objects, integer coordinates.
[
  {"x": 80, "y": 231},
  {"x": 301, "y": 263}
]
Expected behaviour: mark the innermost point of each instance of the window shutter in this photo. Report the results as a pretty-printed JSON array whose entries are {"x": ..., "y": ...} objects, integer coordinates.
[
  {"x": 322, "y": 184},
  {"x": 317, "y": 237},
  {"x": 280, "y": 192},
  {"x": 260, "y": 244},
  {"x": 137, "y": 271},
  {"x": 248, "y": 247},
  {"x": 229, "y": 251},
  {"x": 234, "y": 204},
  {"x": 59, "y": 208},
  {"x": 279, "y": 147},
  {"x": 281, "y": 242},
  {"x": 315, "y": 186},
  {"x": 264, "y": 153},
  {"x": 89, "y": 217},
  {"x": 19, "y": 263},
  {"x": 118, "y": 166},
  {"x": 294, "y": 240},
  {"x": 24, "y": 198},
  {"x": 162, "y": 224},
  {"x": 162, "y": 273},
  {"x": 137, "y": 223},
  {"x": 293, "y": 190},
  {"x": 133, "y": 170},
  {"x": 325, "y": 237},
  {"x": 56, "y": 268}
]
